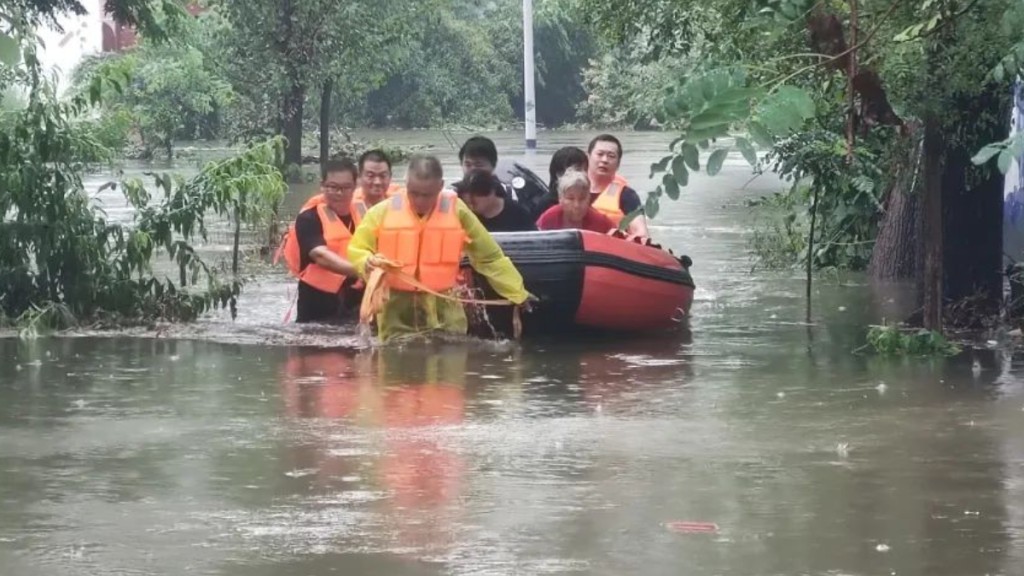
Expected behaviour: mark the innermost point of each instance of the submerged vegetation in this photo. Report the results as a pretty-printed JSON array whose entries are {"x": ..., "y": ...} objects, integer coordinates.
[{"x": 888, "y": 340}]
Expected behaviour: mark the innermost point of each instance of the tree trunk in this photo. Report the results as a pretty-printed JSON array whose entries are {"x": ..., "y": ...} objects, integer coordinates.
[
  {"x": 931, "y": 225},
  {"x": 325, "y": 125},
  {"x": 974, "y": 211},
  {"x": 810, "y": 252},
  {"x": 292, "y": 121},
  {"x": 897, "y": 252},
  {"x": 896, "y": 255}
]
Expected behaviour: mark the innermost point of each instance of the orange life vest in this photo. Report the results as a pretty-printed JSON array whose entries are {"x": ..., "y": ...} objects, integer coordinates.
[
  {"x": 429, "y": 250},
  {"x": 607, "y": 202},
  {"x": 620, "y": 180},
  {"x": 336, "y": 238},
  {"x": 360, "y": 206}
]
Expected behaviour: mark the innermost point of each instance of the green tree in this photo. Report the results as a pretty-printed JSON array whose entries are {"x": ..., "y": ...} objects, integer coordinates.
[
  {"x": 170, "y": 91},
  {"x": 930, "y": 61},
  {"x": 276, "y": 55},
  {"x": 61, "y": 259}
]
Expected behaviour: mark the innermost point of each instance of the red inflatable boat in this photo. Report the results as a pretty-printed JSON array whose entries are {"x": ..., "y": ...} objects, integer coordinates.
[{"x": 593, "y": 282}]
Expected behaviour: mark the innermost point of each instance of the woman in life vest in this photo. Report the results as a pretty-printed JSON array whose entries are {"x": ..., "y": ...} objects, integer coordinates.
[
  {"x": 315, "y": 248},
  {"x": 427, "y": 230},
  {"x": 574, "y": 210}
]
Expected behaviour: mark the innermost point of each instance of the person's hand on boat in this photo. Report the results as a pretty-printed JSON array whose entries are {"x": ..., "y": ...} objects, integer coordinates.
[{"x": 527, "y": 305}]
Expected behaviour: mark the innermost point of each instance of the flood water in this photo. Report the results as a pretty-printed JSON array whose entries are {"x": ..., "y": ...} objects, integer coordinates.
[{"x": 750, "y": 444}]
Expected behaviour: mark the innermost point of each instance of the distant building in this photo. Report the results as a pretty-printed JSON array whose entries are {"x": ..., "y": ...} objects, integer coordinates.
[{"x": 119, "y": 37}]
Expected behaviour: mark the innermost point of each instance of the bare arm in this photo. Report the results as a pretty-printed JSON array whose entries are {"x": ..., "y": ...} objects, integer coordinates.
[
  {"x": 331, "y": 261},
  {"x": 639, "y": 226}
]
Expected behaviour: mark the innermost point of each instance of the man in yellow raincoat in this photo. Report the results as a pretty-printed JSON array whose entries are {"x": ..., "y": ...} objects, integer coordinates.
[{"x": 427, "y": 230}]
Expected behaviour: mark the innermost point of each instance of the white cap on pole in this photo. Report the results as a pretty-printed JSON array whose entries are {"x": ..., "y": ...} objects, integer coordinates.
[{"x": 530, "y": 106}]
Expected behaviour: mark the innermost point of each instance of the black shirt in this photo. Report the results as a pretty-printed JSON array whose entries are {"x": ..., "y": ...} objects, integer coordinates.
[
  {"x": 315, "y": 305},
  {"x": 513, "y": 218},
  {"x": 629, "y": 200}
]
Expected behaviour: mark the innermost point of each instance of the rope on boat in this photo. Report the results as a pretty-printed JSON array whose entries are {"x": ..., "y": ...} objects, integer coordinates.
[{"x": 378, "y": 292}]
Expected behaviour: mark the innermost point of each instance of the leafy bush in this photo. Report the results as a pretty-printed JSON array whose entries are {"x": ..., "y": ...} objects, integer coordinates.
[
  {"x": 59, "y": 252},
  {"x": 164, "y": 93},
  {"x": 890, "y": 340}
]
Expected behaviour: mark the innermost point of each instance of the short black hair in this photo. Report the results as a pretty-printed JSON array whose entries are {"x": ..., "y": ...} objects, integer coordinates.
[
  {"x": 605, "y": 138},
  {"x": 480, "y": 183},
  {"x": 562, "y": 160},
  {"x": 375, "y": 155},
  {"x": 341, "y": 165},
  {"x": 479, "y": 147}
]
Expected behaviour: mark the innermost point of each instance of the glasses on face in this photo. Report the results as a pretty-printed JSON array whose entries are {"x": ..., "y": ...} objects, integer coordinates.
[{"x": 337, "y": 188}]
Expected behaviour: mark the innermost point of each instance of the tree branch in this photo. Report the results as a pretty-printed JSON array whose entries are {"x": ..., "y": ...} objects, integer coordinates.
[
  {"x": 947, "y": 20},
  {"x": 867, "y": 38}
]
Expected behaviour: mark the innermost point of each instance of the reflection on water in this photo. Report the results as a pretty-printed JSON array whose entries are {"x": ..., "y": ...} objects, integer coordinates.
[
  {"x": 127, "y": 456},
  {"x": 225, "y": 455}
]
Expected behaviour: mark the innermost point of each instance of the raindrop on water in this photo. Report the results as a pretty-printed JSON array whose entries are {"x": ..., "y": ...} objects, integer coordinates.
[{"x": 882, "y": 548}]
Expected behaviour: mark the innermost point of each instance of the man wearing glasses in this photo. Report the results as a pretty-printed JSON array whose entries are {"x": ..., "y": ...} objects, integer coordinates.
[{"x": 316, "y": 249}]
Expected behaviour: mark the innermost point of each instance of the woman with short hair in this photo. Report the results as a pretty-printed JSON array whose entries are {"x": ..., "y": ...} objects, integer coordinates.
[{"x": 574, "y": 209}]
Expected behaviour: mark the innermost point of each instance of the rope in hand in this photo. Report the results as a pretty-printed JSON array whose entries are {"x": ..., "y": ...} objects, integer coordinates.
[{"x": 378, "y": 292}]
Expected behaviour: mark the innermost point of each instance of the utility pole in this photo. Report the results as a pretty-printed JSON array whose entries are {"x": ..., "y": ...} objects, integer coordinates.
[{"x": 530, "y": 108}]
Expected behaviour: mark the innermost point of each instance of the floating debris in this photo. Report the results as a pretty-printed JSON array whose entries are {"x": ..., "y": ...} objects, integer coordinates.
[{"x": 683, "y": 527}]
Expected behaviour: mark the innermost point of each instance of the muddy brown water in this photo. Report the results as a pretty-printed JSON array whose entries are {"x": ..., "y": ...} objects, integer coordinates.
[{"x": 256, "y": 448}]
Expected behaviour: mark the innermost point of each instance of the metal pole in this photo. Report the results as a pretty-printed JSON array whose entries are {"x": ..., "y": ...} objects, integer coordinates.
[{"x": 528, "y": 92}]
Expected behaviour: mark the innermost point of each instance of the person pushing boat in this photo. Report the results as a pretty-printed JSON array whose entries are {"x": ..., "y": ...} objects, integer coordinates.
[
  {"x": 315, "y": 249},
  {"x": 426, "y": 230}
]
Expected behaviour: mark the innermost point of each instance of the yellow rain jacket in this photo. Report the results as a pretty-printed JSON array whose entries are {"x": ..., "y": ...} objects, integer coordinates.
[{"x": 418, "y": 313}]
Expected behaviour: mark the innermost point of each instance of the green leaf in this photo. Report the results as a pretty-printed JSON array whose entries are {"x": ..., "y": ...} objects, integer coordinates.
[
  {"x": 651, "y": 206},
  {"x": 671, "y": 186},
  {"x": 1017, "y": 144},
  {"x": 760, "y": 134},
  {"x": 799, "y": 99},
  {"x": 710, "y": 119},
  {"x": 999, "y": 73},
  {"x": 10, "y": 52},
  {"x": 1004, "y": 160},
  {"x": 716, "y": 160},
  {"x": 747, "y": 149},
  {"x": 986, "y": 154},
  {"x": 681, "y": 174},
  {"x": 691, "y": 156},
  {"x": 659, "y": 166}
]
